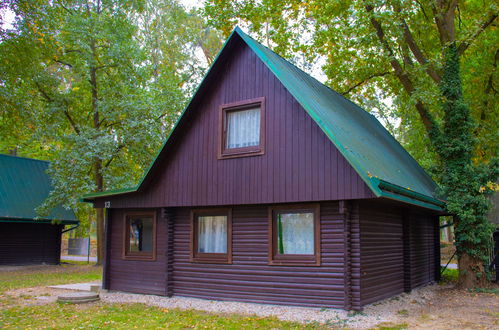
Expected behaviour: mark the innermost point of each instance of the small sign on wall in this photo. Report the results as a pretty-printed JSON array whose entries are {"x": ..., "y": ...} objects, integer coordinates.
[{"x": 107, "y": 204}]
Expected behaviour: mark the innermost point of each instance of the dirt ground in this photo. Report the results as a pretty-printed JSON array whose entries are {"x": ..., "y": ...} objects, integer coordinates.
[{"x": 446, "y": 308}]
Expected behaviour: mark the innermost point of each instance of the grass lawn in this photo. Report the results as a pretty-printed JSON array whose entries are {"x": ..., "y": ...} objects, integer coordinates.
[
  {"x": 101, "y": 315},
  {"x": 48, "y": 275},
  {"x": 17, "y": 313}
]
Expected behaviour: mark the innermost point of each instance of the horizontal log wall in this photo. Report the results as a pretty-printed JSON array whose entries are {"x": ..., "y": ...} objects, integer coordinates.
[
  {"x": 398, "y": 250},
  {"x": 132, "y": 275},
  {"x": 381, "y": 250},
  {"x": 422, "y": 246},
  {"x": 29, "y": 243},
  {"x": 250, "y": 278}
]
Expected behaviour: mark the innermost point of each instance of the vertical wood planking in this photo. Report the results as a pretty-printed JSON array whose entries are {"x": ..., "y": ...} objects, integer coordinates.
[{"x": 300, "y": 163}]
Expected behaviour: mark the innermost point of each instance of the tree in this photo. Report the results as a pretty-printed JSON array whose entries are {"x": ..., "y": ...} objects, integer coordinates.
[
  {"x": 80, "y": 89},
  {"x": 408, "y": 52},
  {"x": 95, "y": 86}
]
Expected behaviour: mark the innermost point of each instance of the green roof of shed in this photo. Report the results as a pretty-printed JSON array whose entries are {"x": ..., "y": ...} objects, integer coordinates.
[
  {"x": 384, "y": 165},
  {"x": 24, "y": 185}
]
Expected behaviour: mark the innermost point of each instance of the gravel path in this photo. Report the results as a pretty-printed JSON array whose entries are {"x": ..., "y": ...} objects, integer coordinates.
[{"x": 388, "y": 310}]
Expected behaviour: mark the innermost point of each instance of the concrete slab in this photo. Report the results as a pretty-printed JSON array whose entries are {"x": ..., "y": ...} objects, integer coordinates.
[
  {"x": 77, "y": 286},
  {"x": 78, "y": 297},
  {"x": 79, "y": 258}
]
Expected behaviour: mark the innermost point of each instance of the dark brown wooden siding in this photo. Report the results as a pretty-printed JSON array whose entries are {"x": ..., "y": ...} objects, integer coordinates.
[
  {"x": 249, "y": 278},
  {"x": 300, "y": 163},
  {"x": 29, "y": 243},
  {"x": 422, "y": 246},
  {"x": 381, "y": 252},
  {"x": 398, "y": 249},
  {"x": 132, "y": 275}
]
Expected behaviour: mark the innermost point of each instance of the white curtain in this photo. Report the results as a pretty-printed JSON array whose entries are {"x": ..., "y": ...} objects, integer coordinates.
[
  {"x": 212, "y": 234},
  {"x": 243, "y": 128},
  {"x": 297, "y": 233}
]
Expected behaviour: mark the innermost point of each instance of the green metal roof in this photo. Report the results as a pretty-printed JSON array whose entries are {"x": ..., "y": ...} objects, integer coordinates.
[
  {"x": 369, "y": 148},
  {"x": 24, "y": 185}
]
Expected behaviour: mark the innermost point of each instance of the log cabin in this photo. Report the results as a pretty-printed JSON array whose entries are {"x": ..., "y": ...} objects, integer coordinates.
[{"x": 273, "y": 188}]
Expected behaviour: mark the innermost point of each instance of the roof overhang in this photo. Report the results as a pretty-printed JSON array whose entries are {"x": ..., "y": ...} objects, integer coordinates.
[
  {"x": 44, "y": 221},
  {"x": 398, "y": 193}
]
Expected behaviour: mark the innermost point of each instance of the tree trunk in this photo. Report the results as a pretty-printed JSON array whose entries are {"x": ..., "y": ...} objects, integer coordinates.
[
  {"x": 97, "y": 166},
  {"x": 99, "y": 181},
  {"x": 469, "y": 268}
]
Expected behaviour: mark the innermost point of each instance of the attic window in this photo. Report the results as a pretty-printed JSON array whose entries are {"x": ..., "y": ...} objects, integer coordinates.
[{"x": 242, "y": 128}]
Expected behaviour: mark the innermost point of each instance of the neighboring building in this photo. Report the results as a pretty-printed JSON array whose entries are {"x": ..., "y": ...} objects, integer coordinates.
[
  {"x": 273, "y": 188},
  {"x": 24, "y": 239}
]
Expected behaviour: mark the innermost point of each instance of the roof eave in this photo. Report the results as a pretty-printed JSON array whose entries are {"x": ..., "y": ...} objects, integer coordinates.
[
  {"x": 28, "y": 220},
  {"x": 89, "y": 198},
  {"x": 395, "y": 192}
]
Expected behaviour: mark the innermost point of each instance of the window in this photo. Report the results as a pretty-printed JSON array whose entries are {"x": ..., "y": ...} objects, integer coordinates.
[
  {"x": 242, "y": 128},
  {"x": 140, "y": 236},
  {"x": 211, "y": 235},
  {"x": 294, "y": 235}
]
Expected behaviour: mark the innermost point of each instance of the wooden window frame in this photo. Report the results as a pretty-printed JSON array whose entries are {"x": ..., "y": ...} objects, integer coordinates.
[
  {"x": 141, "y": 256},
  {"x": 224, "y": 152},
  {"x": 294, "y": 259},
  {"x": 211, "y": 258}
]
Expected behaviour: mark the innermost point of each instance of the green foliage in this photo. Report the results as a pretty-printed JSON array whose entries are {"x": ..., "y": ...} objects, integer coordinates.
[
  {"x": 400, "y": 60},
  {"x": 485, "y": 290},
  {"x": 461, "y": 179},
  {"x": 450, "y": 275},
  {"x": 338, "y": 37},
  {"x": 95, "y": 87}
]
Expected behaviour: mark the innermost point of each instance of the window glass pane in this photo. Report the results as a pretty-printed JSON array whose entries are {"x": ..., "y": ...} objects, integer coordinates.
[
  {"x": 243, "y": 128},
  {"x": 141, "y": 231},
  {"x": 295, "y": 233},
  {"x": 212, "y": 234}
]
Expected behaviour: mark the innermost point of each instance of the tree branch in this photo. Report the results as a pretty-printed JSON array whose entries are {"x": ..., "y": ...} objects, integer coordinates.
[
  {"x": 65, "y": 111},
  {"x": 121, "y": 146},
  {"x": 416, "y": 51},
  {"x": 468, "y": 41},
  {"x": 71, "y": 122},
  {"x": 362, "y": 82},
  {"x": 406, "y": 82},
  {"x": 63, "y": 63}
]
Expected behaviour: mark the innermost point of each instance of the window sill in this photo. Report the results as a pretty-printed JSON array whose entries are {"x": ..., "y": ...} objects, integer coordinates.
[
  {"x": 241, "y": 152},
  {"x": 140, "y": 257},
  {"x": 308, "y": 262},
  {"x": 211, "y": 259}
]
